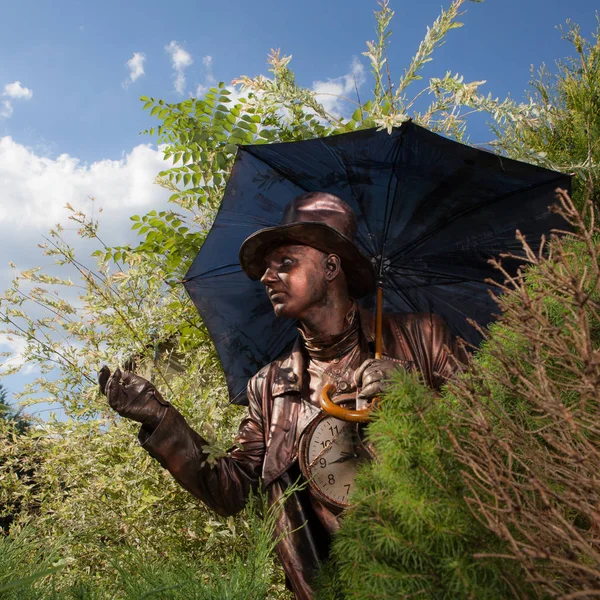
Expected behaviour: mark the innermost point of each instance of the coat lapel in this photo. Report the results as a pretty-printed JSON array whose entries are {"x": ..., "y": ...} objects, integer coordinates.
[{"x": 290, "y": 414}]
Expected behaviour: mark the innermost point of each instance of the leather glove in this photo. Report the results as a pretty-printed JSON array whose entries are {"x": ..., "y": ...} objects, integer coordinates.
[
  {"x": 372, "y": 377},
  {"x": 133, "y": 397}
]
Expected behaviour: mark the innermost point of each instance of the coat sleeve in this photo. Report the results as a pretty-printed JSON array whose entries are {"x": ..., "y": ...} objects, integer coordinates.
[
  {"x": 428, "y": 341},
  {"x": 224, "y": 486}
]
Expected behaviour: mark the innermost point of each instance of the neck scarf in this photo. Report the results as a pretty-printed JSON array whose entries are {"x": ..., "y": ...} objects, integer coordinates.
[{"x": 326, "y": 347}]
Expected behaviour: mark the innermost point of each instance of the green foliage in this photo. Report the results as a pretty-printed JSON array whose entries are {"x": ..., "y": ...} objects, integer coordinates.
[
  {"x": 9, "y": 413},
  {"x": 565, "y": 132},
  {"x": 24, "y": 561},
  {"x": 526, "y": 416},
  {"x": 28, "y": 569},
  {"x": 410, "y": 532}
]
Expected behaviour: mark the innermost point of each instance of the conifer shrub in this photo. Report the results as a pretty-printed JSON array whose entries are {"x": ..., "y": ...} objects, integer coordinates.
[
  {"x": 492, "y": 489},
  {"x": 526, "y": 425},
  {"x": 410, "y": 533}
]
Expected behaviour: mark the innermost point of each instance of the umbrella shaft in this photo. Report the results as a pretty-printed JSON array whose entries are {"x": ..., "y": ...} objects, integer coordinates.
[{"x": 379, "y": 323}]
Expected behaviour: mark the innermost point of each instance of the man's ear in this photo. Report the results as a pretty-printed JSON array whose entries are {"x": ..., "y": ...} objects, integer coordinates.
[{"x": 333, "y": 266}]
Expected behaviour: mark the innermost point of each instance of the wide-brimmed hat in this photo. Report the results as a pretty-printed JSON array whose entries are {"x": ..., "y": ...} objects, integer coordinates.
[{"x": 322, "y": 221}]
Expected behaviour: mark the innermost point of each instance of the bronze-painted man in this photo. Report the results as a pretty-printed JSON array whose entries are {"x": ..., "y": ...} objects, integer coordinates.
[{"x": 312, "y": 271}]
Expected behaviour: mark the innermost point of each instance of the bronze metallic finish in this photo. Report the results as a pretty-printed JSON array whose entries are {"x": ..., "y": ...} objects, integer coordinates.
[
  {"x": 268, "y": 439},
  {"x": 321, "y": 221}
]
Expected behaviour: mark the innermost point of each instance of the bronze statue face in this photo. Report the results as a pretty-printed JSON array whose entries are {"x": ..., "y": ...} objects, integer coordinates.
[{"x": 295, "y": 279}]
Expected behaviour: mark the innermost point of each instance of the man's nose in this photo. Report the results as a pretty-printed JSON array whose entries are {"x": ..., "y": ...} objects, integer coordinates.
[{"x": 268, "y": 276}]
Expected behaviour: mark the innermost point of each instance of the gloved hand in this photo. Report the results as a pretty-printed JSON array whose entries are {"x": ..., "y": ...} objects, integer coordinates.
[
  {"x": 133, "y": 397},
  {"x": 372, "y": 377}
]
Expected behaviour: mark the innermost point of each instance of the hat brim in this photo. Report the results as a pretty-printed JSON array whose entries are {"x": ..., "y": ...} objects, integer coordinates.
[{"x": 357, "y": 267}]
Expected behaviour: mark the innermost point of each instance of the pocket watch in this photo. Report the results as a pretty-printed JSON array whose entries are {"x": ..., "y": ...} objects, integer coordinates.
[{"x": 330, "y": 453}]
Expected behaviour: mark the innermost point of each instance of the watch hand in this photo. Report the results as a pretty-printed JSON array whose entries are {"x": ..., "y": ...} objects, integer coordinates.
[
  {"x": 345, "y": 456},
  {"x": 327, "y": 448}
]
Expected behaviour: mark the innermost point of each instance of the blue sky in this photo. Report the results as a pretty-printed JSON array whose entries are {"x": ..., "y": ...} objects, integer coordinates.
[
  {"x": 70, "y": 114},
  {"x": 72, "y": 54}
]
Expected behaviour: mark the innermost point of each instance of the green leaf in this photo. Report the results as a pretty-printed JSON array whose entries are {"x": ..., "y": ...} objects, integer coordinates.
[{"x": 221, "y": 161}]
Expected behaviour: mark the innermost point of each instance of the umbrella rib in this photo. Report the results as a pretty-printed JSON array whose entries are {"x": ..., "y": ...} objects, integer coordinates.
[
  {"x": 452, "y": 307},
  {"x": 391, "y": 284},
  {"x": 429, "y": 234},
  {"x": 219, "y": 268},
  {"x": 276, "y": 169},
  {"x": 395, "y": 151},
  {"x": 344, "y": 167},
  {"x": 415, "y": 308},
  {"x": 442, "y": 276}
]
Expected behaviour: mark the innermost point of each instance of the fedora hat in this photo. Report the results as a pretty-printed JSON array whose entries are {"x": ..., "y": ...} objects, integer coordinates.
[{"x": 322, "y": 221}]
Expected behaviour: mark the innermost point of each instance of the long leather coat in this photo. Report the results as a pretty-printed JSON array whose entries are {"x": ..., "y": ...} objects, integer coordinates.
[{"x": 269, "y": 436}]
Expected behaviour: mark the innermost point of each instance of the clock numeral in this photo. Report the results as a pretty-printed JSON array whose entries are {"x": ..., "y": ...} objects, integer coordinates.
[
  {"x": 325, "y": 443},
  {"x": 322, "y": 463},
  {"x": 331, "y": 479},
  {"x": 334, "y": 429},
  {"x": 347, "y": 486}
]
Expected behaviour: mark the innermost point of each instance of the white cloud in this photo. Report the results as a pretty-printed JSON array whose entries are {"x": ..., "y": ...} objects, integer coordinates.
[
  {"x": 136, "y": 67},
  {"x": 16, "y": 346},
  {"x": 16, "y": 90},
  {"x": 13, "y": 91},
  {"x": 209, "y": 79},
  {"x": 34, "y": 189},
  {"x": 329, "y": 92},
  {"x": 6, "y": 109},
  {"x": 180, "y": 60}
]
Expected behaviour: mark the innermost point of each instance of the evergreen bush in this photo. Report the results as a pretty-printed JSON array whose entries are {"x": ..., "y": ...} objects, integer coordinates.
[
  {"x": 492, "y": 489},
  {"x": 526, "y": 415},
  {"x": 410, "y": 533}
]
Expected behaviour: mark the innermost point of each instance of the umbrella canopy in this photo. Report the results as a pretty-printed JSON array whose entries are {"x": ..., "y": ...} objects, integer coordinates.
[{"x": 431, "y": 212}]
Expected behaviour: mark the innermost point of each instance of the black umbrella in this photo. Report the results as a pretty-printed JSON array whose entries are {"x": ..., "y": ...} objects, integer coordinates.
[{"x": 430, "y": 213}]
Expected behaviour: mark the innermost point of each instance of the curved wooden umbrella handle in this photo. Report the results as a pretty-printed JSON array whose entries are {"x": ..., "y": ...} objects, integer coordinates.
[
  {"x": 352, "y": 415},
  {"x": 357, "y": 415}
]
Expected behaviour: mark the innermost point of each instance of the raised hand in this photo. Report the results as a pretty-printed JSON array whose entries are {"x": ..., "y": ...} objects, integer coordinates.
[{"x": 132, "y": 396}]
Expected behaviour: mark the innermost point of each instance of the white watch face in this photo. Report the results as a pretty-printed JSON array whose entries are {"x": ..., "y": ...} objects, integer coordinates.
[{"x": 334, "y": 453}]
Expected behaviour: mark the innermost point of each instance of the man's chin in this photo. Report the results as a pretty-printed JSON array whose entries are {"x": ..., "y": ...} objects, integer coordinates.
[{"x": 282, "y": 312}]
